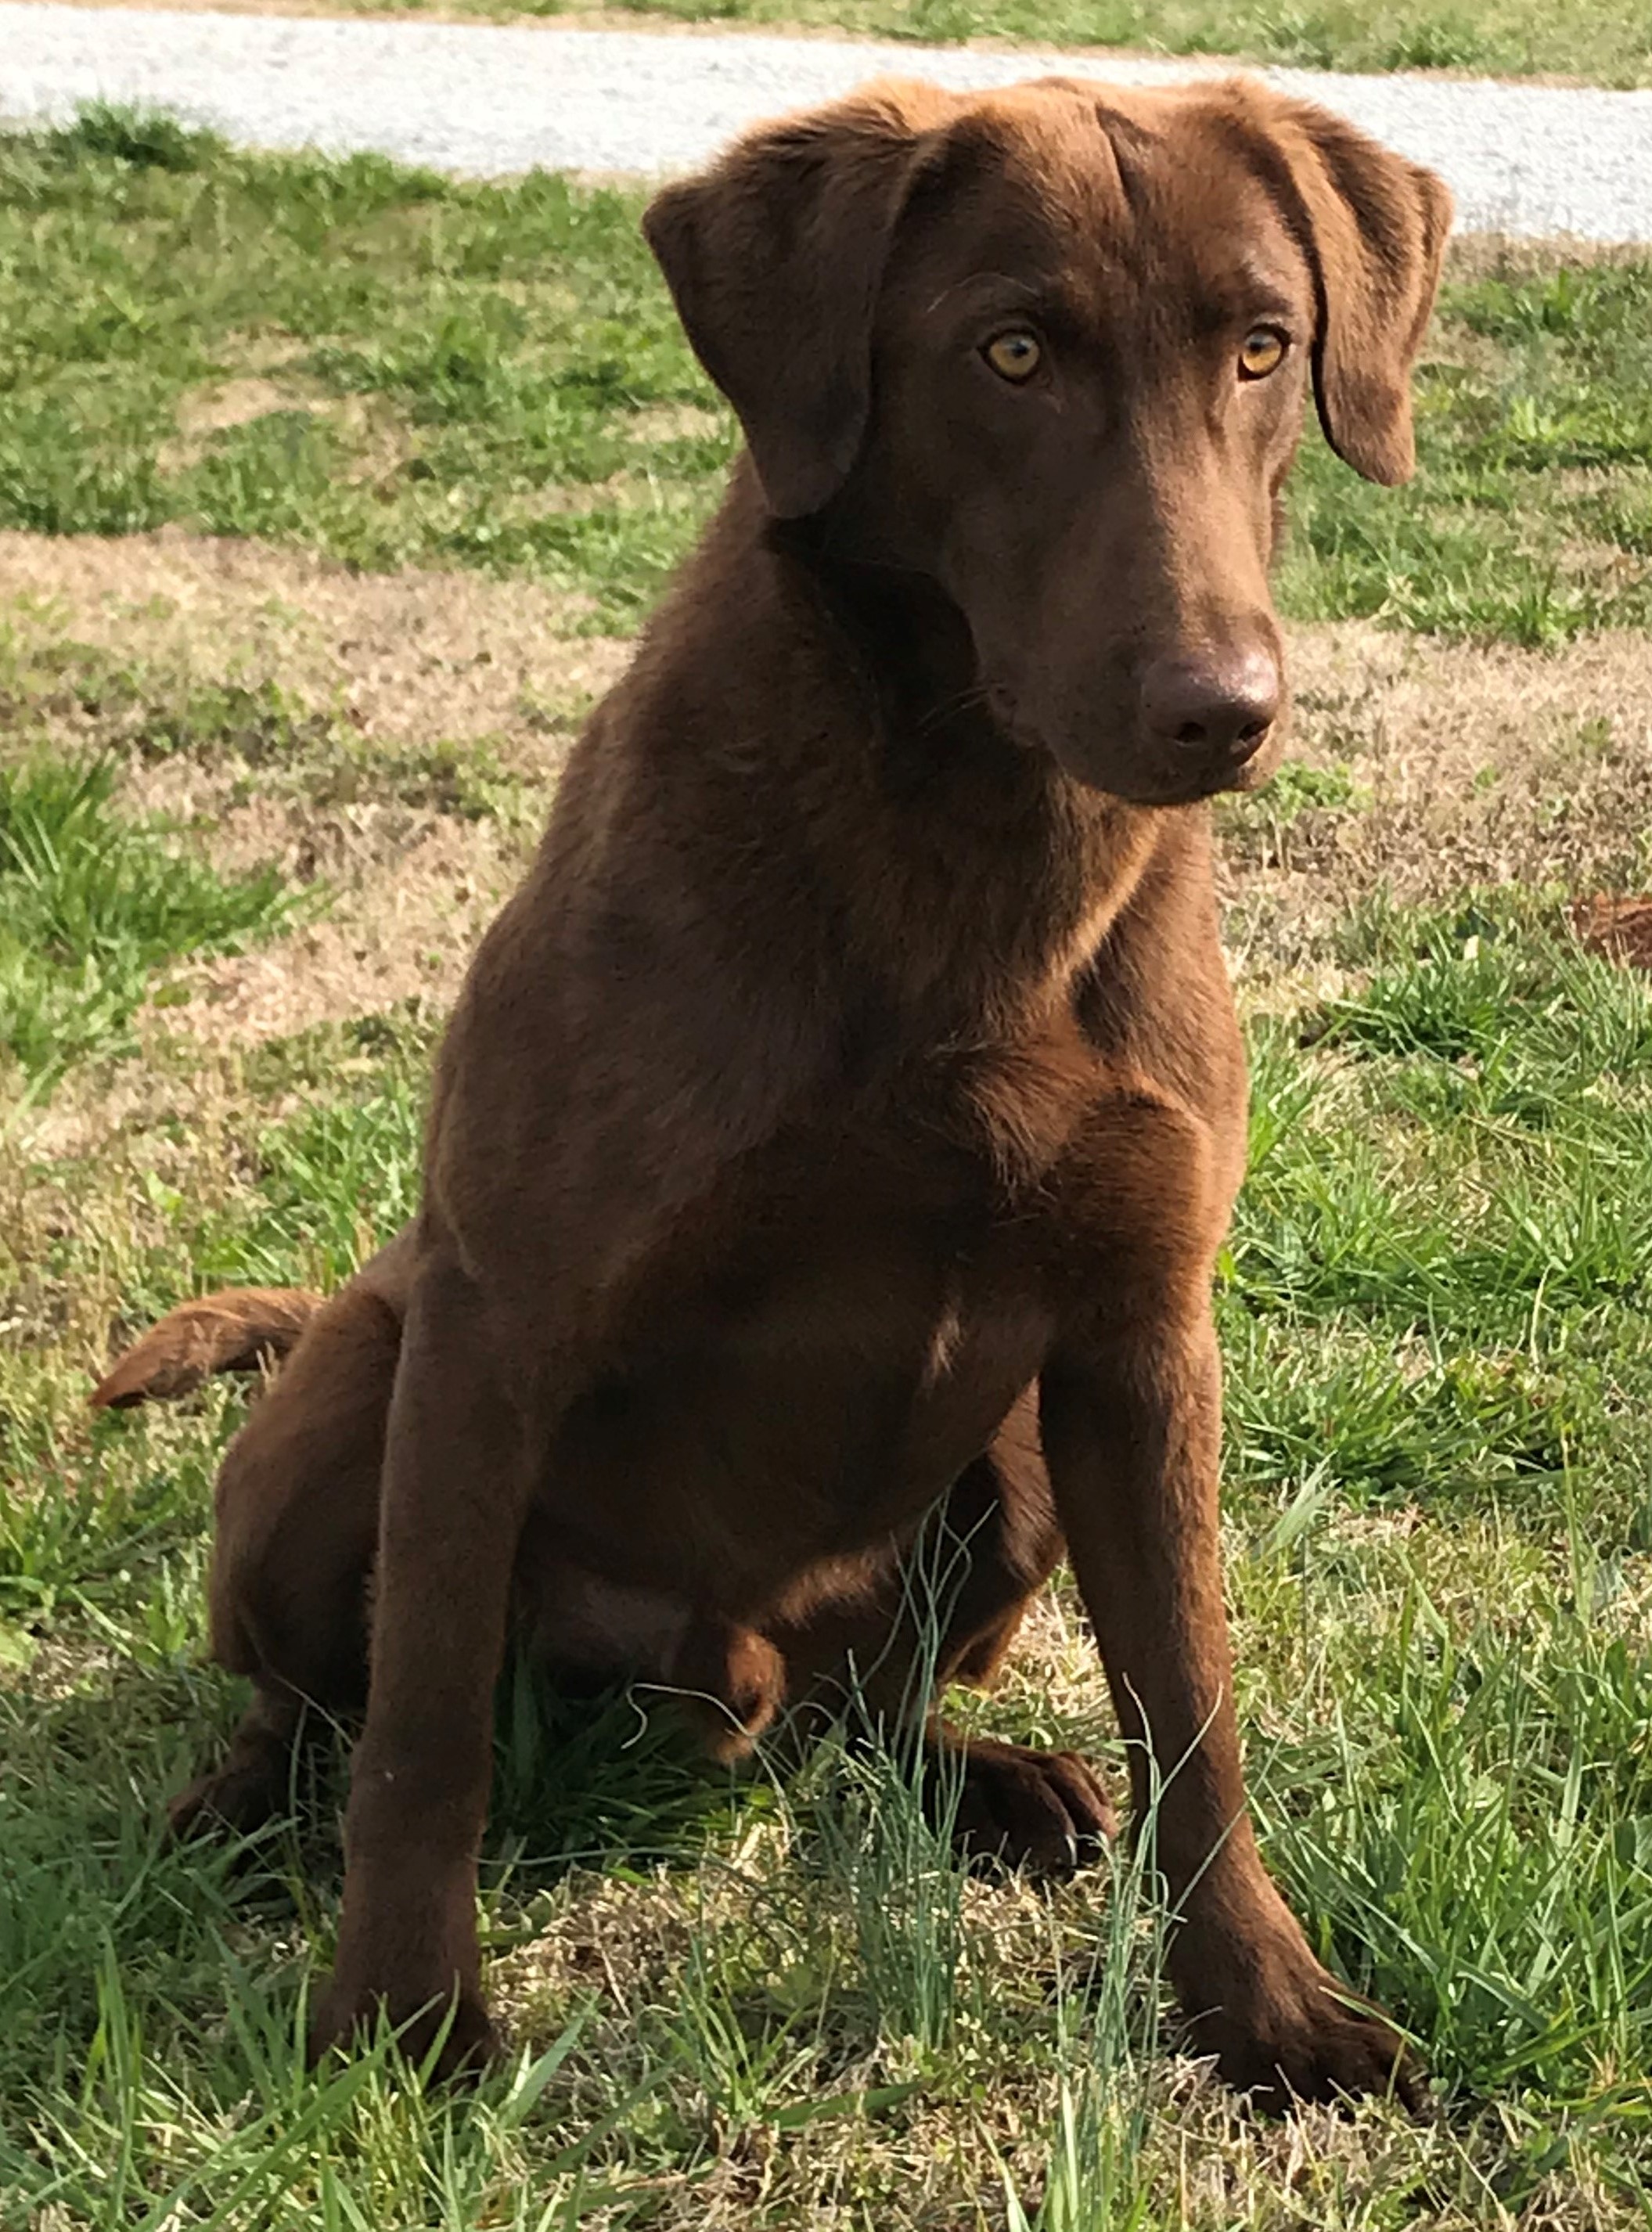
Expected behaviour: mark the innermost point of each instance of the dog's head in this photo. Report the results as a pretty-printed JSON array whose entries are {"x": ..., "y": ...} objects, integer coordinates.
[{"x": 1048, "y": 349}]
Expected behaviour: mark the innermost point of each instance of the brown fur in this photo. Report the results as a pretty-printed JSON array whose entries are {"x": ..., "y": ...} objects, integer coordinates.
[
  {"x": 844, "y": 1117},
  {"x": 234, "y": 1332}
]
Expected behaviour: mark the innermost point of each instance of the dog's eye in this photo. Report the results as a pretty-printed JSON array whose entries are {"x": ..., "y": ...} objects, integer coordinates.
[
  {"x": 1263, "y": 352},
  {"x": 1015, "y": 356}
]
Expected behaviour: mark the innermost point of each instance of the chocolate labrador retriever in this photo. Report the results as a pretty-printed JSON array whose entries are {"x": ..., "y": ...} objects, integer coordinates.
[{"x": 842, "y": 1120}]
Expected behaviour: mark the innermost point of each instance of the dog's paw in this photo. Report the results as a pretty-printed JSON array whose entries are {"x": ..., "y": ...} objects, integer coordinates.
[
  {"x": 1047, "y": 1811},
  {"x": 345, "y": 2016},
  {"x": 1289, "y": 2032},
  {"x": 236, "y": 1799}
]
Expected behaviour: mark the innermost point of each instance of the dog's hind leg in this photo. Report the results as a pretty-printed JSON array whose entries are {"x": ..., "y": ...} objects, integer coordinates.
[
  {"x": 249, "y": 1783},
  {"x": 297, "y": 1526}
]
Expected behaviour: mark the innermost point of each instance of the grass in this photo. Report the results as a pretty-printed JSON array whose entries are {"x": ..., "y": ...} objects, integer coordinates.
[
  {"x": 1527, "y": 521},
  {"x": 380, "y": 364},
  {"x": 1434, "y": 1315},
  {"x": 398, "y": 369},
  {"x": 773, "y": 2001},
  {"x": 118, "y": 707},
  {"x": 92, "y": 905}
]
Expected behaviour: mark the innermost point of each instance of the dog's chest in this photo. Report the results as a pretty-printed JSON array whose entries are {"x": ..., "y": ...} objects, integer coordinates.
[
  {"x": 839, "y": 1329},
  {"x": 809, "y": 1403},
  {"x": 907, "y": 1262}
]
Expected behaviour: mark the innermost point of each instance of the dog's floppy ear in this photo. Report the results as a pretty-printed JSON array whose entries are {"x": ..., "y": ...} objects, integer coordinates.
[
  {"x": 774, "y": 258},
  {"x": 1375, "y": 226}
]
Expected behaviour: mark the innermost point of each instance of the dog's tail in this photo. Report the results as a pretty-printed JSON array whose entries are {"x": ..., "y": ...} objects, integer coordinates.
[{"x": 235, "y": 1331}]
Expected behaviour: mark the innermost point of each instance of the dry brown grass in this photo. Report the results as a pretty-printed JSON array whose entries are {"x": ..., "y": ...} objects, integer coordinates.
[
  {"x": 408, "y": 656},
  {"x": 406, "y": 928},
  {"x": 406, "y": 664},
  {"x": 1465, "y": 765},
  {"x": 1620, "y": 928}
]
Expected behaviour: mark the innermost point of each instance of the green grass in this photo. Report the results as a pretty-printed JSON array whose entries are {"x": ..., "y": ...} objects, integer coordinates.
[
  {"x": 93, "y": 905},
  {"x": 773, "y": 2001},
  {"x": 1528, "y": 519},
  {"x": 1435, "y": 1311},
  {"x": 462, "y": 371},
  {"x": 489, "y": 376}
]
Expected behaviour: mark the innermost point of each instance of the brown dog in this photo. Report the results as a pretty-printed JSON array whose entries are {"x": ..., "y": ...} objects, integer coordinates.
[{"x": 844, "y": 1117}]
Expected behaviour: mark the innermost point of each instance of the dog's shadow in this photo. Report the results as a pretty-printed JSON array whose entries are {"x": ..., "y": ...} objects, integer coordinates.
[
  {"x": 603, "y": 1778},
  {"x": 600, "y": 1779}
]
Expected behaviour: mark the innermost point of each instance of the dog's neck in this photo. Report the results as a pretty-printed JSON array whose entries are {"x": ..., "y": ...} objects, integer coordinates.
[
  {"x": 994, "y": 875},
  {"x": 866, "y": 840},
  {"x": 910, "y": 643}
]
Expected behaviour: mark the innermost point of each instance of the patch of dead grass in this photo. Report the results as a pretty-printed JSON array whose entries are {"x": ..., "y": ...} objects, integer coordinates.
[
  {"x": 221, "y": 404},
  {"x": 407, "y": 656},
  {"x": 675, "y": 422},
  {"x": 378, "y": 436},
  {"x": 1468, "y": 765},
  {"x": 408, "y": 662},
  {"x": 406, "y": 928},
  {"x": 1620, "y": 928}
]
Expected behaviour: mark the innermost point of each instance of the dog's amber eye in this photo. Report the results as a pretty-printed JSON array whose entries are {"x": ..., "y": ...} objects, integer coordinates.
[
  {"x": 1015, "y": 355},
  {"x": 1264, "y": 352}
]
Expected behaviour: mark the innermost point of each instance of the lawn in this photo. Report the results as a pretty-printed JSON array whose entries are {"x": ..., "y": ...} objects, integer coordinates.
[
  {"x": 329, "y": 496},
  {"x": 396, "y": 369}
]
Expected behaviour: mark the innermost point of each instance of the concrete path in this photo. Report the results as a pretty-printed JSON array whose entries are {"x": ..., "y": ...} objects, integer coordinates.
[{"x": 491, "y": 99}]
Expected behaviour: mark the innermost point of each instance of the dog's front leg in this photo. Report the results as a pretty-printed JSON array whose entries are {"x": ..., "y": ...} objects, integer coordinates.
[
  {"x": 456, "y": 1484},
  {"x": 1131, "y": 1419}
]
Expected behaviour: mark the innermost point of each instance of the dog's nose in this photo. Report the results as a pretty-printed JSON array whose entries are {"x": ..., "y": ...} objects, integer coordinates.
[{"x": 1217, "y": 707}]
